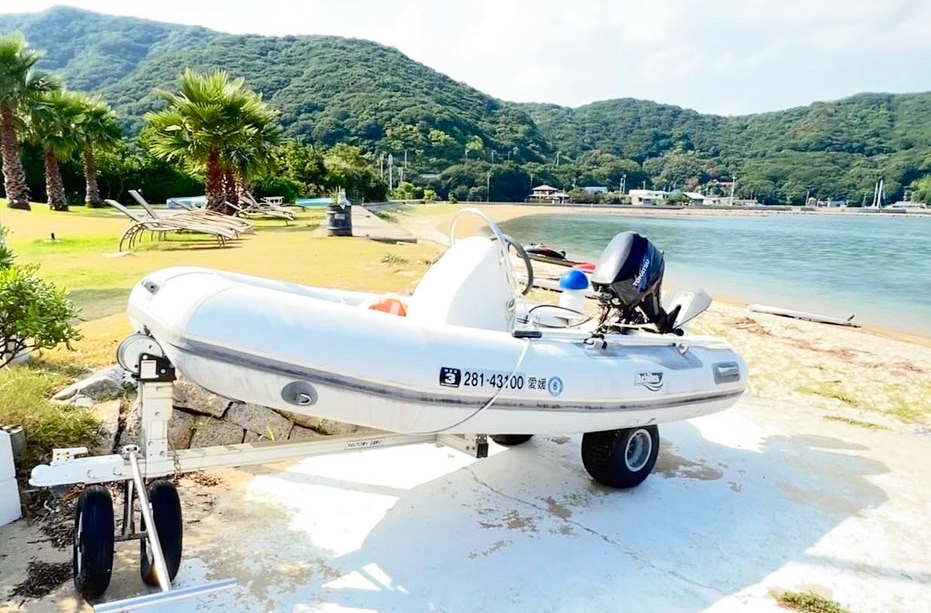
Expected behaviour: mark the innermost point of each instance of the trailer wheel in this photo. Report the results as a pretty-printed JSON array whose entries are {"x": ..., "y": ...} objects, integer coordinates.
[
  {"x": 92, "y": 551},
  {"x": 509, "y": 440},
  {"x": 166, "y": 513},
  {"x": 620, "y": 458}
]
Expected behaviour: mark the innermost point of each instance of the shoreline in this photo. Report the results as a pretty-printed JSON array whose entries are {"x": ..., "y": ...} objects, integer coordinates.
[
  {"x": 434, "y": 226},
  {"x": 672, "y": 210},
  {"x": 870, "y": 377}
]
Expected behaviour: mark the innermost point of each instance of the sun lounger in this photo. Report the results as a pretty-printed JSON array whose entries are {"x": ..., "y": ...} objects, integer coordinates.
[
  {"x": 199, "y": 216},
  {"x": 251, "y": 206},
  {"x": 145, "y": 223}
]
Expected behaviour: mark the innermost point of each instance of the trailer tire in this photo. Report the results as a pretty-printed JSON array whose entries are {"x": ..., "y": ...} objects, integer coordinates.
[
  {"x": 621, "y": 458},
  {"x": 509, "y": 440},
  {"x": 92, "y": 551},
  {"x": 166, "y": 514}
]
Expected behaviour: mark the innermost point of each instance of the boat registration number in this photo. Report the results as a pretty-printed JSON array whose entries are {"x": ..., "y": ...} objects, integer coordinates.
[{"x": 491, "y": 379}]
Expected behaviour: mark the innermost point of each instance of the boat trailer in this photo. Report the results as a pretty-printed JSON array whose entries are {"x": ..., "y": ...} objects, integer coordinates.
[{"x": 159, "y": 508}]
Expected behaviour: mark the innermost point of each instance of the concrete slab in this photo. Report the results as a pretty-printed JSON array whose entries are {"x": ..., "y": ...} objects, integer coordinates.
[
  {"x": 763, "y": 497},
  {"x": 366, "y": 224}
]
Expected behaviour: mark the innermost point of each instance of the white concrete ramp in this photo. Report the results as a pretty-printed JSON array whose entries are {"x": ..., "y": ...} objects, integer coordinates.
[
  {"x": 760, "y": 498},
  {"x": 755, "y": 499}
]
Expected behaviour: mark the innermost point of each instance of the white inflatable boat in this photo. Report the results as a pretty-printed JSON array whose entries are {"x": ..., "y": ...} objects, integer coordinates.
[{"x": 466, "y": 356}]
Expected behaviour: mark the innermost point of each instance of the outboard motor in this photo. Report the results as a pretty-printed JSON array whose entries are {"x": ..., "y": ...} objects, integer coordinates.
[{"x": 628, "y": 277}]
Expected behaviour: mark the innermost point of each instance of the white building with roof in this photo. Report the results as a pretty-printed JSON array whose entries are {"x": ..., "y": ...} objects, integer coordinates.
[
  {"x": 647, "y": 197},
  {"x": 695, "y": 198},
  {"x": 548, "y": 193}
]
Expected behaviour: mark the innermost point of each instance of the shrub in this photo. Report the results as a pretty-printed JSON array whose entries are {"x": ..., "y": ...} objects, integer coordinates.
[
  {"x": 289, "y": 189},
  {"x": 452, "y": 198},
  {"x": 24, "y": 401},
  {"x": 34, "y": 313},
  {"x": 429, "y": 195},
  {"x": 6, "y": 255}
]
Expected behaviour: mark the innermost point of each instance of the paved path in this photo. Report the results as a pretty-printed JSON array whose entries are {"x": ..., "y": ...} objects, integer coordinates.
[
  {"x": 367, "y": 224},
  {"x": 763, "y": 497}
]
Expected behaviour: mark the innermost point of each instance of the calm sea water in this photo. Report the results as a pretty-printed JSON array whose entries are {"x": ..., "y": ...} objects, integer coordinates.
[{"x": 878, "y": 268}]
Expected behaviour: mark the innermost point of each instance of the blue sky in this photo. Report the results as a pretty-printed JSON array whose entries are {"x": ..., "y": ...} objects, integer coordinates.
[{"x": 724, "y": 56}]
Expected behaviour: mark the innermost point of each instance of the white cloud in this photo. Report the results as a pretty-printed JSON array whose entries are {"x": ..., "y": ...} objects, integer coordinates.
[{"x": 726, "y": 56}]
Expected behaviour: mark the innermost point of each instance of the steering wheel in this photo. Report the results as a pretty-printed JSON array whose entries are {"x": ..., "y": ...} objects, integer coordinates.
[{"x": 504, "y": 244}]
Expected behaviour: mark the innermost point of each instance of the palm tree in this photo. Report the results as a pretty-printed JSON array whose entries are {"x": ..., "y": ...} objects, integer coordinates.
[
  {"x": 18, "y": 83},
  {"x": 97, "y": 127},
  {"x": 206, "y": 121},
  {"x": 53, "y": 119},
  {"x": 246, "y": 159}
]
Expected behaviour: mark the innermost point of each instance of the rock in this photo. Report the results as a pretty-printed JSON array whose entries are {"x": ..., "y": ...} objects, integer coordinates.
[
  {"x": 209, "y": 431},
  {"x": 189, "y": 395},
  {"x": 252, "y": 437},
  {"x": 180, "y": 429},
  {"x": 82, "y": 401},
  {"x": 299, "y": 418},
  {"x": 325, "y": 426},
  {"x": 101, "y": 385},
  {"x": 328, "y": 426},
  {"x": 108, "y": 412},
  {"x": 300, "y": 432},
  {"x": 259, "y": 420}
]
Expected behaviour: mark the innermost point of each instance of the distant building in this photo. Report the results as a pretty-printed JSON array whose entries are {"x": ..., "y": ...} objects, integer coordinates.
[
  {"x": 647, "y": 197},
  {"x": 831, "y": 203},
  {"x": 549, "y": 194},
  {"x": 560, "y": 198},
  {"x": 595, "y": 189},
  {"x": 695, "y": 198}
]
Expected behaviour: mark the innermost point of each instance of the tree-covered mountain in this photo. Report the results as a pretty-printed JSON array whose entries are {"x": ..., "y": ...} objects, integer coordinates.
[
  {"x": 833, "y": 149},
  {"x": 332, "y": 90},
  {"x": 329, "y": 89}
]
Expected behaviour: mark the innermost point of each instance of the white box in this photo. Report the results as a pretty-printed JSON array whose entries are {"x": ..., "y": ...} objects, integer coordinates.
[
  {"x": 9, "y": 502},
  {"x": 7, "y": 468}
]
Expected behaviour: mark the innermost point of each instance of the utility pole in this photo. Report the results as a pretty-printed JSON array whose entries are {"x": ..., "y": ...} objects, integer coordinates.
[
  {"x": 623, "y": 184},
  {"x": 405, "y": 160},
  {"x": 488, "y": 187},
  {"x": 390, "y": 172},
  {"x": 509, "y": 155},
  {"x": 492, "y": 156}
]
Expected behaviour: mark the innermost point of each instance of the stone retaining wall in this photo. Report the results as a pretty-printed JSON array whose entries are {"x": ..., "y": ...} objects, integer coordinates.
[{"x": 199, "y": 419}]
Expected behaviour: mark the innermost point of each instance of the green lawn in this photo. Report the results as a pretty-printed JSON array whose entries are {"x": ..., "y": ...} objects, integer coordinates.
[{"x": 83, "y": 258}]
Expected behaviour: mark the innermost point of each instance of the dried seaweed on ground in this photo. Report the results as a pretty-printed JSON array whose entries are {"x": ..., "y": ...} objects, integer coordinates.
[
  {"x": 60, "y": 533},
  {"x": 43, "y": 578},
  {"x": 752, "y": 326},
  {"x": 205, "y": 479}
]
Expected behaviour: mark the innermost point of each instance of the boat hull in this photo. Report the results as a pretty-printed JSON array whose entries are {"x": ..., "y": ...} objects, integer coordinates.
[{"x": 313, "y": 351}]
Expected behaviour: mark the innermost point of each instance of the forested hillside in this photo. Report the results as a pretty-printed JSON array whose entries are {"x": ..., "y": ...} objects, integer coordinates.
[
  {"x": 331, "y": 90},
  {"x": 834, "y": 149}
]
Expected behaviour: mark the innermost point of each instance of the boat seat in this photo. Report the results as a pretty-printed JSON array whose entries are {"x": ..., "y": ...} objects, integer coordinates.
[{"x": 468, "y": 286}]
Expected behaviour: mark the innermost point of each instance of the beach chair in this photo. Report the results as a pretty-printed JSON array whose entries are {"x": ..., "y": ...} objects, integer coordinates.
[
  {"x": 145, "y": 223},
  {"x": 251, "y": 206},
  {"x": 197, "y": 215}
]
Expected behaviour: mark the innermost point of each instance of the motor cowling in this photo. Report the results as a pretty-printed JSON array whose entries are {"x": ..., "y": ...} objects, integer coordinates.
[{"x": 629, "y": 275}]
